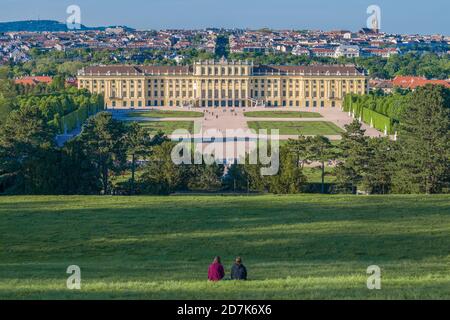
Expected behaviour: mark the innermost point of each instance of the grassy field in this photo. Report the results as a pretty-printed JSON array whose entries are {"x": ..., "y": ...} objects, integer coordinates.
[
  {"x": 167, "y": 126},
  {"x": 282, "y": 114},
  {"x": 298, "y": 127},
  {"x": 295, "y": 247},
  {"x": 165, "y": 114}
]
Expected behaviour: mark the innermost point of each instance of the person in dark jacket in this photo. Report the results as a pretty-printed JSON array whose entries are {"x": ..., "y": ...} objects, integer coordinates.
[
  {"x": 238, "y": 271},
  {"x": 216, "y": 271}
]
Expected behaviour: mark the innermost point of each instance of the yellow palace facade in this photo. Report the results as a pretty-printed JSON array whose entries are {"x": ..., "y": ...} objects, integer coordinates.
[{"x": 223, "y": 84}]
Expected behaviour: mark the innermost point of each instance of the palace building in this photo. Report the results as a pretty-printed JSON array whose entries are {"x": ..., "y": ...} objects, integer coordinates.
[{"x": 223, "y": 84}]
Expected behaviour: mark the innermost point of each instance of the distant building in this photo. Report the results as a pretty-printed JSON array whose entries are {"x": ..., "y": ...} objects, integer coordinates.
[
  {"x": 380, "y": 52},
  {"x": 19, "y": 56},
  {"x": 379, "y": 84},
  {"x": 32, "y": 81},
  {"x": 179, "y": 58},
  {"x": 223, "y": 84},
  {"x": 368, "y": 31},
  {"x": 283, "y": 48},
  {"x": 301, "y": 51},
  {"x": 72, "y": 82},
  {"x": 347, "y": 51},
  {"x": 347, "y": 36},
  {"x": 323, "y": 52},
  {"x": 255, "y": 49},
  {"x": 115, "y": 30}
]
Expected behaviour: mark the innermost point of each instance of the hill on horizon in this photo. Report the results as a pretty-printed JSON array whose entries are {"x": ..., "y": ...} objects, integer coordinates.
[{"x": 41, "y": 26}]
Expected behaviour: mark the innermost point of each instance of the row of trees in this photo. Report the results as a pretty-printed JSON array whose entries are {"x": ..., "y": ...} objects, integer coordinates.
[
  {"x": 430, "y": 65},
  {"x": 31, "y": 163},
  {"x": 392, "y": 105},
  {"x": 54, "y": 100},
  {"x": 58, "y": 104},
  {"x": 8, "y": 93},
  {"x": 67, "y": 63},
  {"x": 418, "y": 162}
]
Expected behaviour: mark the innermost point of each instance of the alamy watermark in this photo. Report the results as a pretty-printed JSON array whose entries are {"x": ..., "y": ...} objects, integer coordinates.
[
  {"x": 374, "y": 20},
  {"x": 232, "y": 145},
  {"x": 74, "y": 280},
  {"x": 374, "y": 280}
]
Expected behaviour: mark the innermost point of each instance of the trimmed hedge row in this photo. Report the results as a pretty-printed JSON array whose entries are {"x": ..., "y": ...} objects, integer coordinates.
[{"x": 368, "y": 116}]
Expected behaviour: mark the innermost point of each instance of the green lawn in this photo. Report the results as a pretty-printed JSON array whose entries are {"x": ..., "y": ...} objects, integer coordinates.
[
  {"x": 167, "y": 126},
  {"x": 282, "y": 114},
  {"x": 295, "y": 247},
  {"x": 298, "y": 127},
  {"x": 165, "y": 114}
]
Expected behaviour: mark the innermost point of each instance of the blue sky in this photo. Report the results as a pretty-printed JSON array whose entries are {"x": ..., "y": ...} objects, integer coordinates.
[{"x": 399, "y": 16}]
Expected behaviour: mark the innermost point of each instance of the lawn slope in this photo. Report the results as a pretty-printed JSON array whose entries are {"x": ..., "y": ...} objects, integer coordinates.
[{"x": 295, "y": 247}]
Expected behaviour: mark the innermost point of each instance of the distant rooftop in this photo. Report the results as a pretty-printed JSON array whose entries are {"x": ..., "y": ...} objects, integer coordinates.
[{"x": 409, "y": 82}]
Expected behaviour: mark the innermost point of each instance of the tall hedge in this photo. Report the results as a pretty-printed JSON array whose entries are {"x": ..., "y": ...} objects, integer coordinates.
[
  {"x": 66, "y": 110},
  {"x": 75, "y": 119},
  {"x": 359, "y": 106}
]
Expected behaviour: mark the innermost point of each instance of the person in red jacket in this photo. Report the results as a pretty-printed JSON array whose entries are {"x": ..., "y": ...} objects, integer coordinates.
[{"x": 216, "y": 271}]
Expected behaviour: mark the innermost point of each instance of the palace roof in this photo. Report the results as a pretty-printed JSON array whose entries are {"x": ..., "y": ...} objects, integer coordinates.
[{"x": 313, "y": 70}]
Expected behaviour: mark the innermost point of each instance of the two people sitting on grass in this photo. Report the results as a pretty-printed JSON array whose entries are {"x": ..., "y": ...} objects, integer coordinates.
[{"x": 216, "y": 272}]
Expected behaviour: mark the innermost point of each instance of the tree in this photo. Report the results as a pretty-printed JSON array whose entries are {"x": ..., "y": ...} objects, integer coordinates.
[
  {"x": 58, "y": 83},
  {"x": 103, "y": 139},
  {"x": 290, "y": 178},
  {"x": 424, "y": 138},
  {"x": 355, "y": 156},
  {"x": 26, "y": 151},
  {"x": 381, "y": 166},
  {"x": 320, "y": 149},
  {"x": 69, "y": 68},
  {"x": 7, "y": 94},
  {"x": 138, "y": 144},
  {"x": 78, "y": 174},
  {"x": 205, "y": 177},
  {"x": 237, "y": 178},
  {"x": 298, "y": 148}
]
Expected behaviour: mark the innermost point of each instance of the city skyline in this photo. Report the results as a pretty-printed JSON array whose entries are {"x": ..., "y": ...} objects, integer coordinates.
[{"x": 400, "y": 17}]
